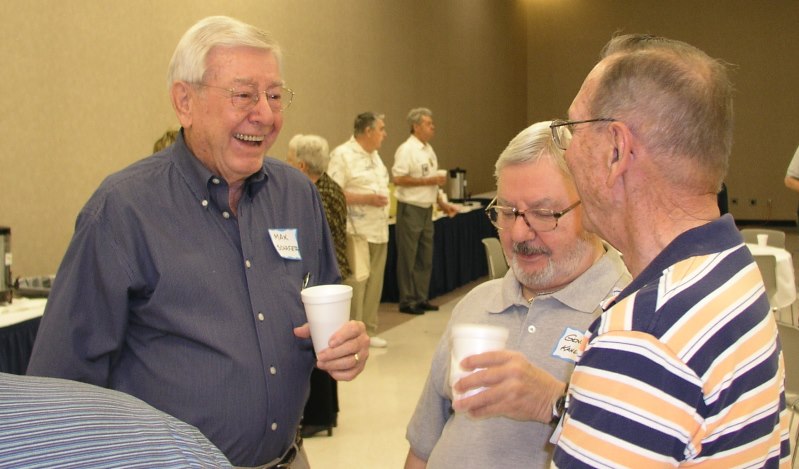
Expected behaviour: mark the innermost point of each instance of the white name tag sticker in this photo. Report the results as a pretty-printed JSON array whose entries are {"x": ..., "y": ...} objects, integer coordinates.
[
  {"x": 285, "y": 242},
  {"x": 568, "y": 345}
]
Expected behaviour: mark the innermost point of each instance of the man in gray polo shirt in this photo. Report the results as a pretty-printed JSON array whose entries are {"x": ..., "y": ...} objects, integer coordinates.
[{"x": 559, "y": 275}]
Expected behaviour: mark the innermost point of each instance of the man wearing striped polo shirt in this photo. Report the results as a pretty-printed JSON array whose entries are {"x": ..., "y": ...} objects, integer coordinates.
[{"x": 683, "y": 367}]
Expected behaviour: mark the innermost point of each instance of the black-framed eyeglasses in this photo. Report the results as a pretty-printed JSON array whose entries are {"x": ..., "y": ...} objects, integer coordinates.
[
  {"x": 538, "y": 219},
  {"x": 563, "y": 138},
  {"x": 279, "y": 98}
]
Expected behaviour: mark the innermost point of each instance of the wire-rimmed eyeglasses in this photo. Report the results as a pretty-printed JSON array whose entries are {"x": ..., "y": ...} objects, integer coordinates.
[
  {"x": 538, "y": 219},
  {"x": 279, "y": 98},
  {"x": 563, "y": 139}
]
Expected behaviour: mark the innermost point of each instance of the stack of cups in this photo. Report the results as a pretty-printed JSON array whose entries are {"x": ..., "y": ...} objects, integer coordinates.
[
  {"x": 327, "y": 308},
  {"x": 472, "y": 339}
]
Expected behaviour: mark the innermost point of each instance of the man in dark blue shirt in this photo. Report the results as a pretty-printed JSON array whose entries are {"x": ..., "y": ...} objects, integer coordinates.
[{"x": 181, "y": 285}]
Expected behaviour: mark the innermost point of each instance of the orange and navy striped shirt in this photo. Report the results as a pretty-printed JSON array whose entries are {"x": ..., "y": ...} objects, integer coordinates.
[{"x": 684, "y": 368}]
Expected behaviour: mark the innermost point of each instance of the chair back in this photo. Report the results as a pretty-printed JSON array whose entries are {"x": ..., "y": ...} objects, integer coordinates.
[
  {"x": 789, "y": 338},
  {"x": 497, "y": 265},
  {"x": 776, "y": 238},
  {"x": 768, "y": 270},
  {"x": 792, "y": 402}
]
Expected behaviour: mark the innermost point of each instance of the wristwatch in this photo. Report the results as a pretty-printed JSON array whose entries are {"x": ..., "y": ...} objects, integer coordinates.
[{"x": 559, "y": 407}]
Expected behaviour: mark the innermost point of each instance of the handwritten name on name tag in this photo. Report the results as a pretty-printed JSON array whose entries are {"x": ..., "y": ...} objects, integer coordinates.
[
  {"x": 285, "y": 242},
  {"x": 568, "y": 345}
]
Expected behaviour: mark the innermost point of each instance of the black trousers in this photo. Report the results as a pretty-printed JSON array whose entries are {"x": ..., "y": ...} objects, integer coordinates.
[{"x": 322, "y": 406}]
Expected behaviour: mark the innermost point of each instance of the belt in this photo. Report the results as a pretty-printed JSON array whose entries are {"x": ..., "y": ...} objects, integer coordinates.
[
  {"x": 288, "y": 457},
  {"x": 291, "y": 454}
]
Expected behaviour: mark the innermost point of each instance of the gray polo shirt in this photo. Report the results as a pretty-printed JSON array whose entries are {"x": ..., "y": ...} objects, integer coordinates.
[{"x": 545, "y": 332}]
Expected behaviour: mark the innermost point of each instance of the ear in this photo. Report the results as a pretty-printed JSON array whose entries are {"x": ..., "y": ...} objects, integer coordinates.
[
  {"x": 182, "y": 96},
  {"x": 620, "y": 158}
]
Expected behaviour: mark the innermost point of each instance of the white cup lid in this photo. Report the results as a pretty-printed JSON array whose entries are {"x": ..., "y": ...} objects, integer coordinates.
[
  {"x": 326, "y": 293},
  {"x": 480, "y": 331}
]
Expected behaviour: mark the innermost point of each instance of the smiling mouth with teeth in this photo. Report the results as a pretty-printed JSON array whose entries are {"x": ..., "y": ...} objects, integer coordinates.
[{"x": 256, "y": 139}]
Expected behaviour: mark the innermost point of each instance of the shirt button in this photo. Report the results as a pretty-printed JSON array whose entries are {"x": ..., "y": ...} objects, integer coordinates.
[
  {"x": 531, "y": 329},
  {"x": 225, "y": 215},
  {"x": 260, "y": 316},
  {"x": 247, "y": 263},
  {"x": 215, "y": 180},
  {"x": 273, "y": 370},
  {"x": 204, "y": 203},
  {"x": 274, "y": 426}
]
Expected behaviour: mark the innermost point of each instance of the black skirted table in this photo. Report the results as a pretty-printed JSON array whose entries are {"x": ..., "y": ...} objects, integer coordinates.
[
  {"x": 458, "y": 254},
  {"x": 19, "y": 323}
]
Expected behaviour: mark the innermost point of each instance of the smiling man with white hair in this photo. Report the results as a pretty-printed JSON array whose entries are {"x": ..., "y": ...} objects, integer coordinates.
[{"x": 181, "y": 285}]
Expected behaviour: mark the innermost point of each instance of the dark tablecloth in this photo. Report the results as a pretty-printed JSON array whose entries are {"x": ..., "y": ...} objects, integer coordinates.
[
  {"x": 16, "y": 344},
  {"x": 458, "y": 254}
]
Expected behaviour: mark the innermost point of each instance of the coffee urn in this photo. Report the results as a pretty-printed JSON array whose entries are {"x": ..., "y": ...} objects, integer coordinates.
[
  {"x": 5, "y": 265},
  {"x": 456, "y": 184}
]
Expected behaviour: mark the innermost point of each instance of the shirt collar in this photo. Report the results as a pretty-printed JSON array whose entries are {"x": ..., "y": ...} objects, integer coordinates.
[
  {"x": 198, "y": 177},
  {"x": 583, "y": 294},
  {"x": 356, "y": 146},
  {"x": 716, "y": 236},
  {"x": 323, "y": 180},
  {"x": 415, "y": 139}
]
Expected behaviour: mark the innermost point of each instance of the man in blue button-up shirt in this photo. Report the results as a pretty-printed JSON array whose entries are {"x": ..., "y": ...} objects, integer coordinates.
[{"x": 181, "y": 284}]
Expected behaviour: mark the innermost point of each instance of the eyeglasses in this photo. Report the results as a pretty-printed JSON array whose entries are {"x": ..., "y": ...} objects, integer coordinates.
[
  {"x": 279, "y": 98},
  {"x": 538, "y": 219},
  {"x": 563, "y": 138}
]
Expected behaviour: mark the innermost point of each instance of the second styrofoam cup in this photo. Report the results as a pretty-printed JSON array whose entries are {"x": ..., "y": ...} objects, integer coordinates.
[
  {"x": 327, "y": 308},
  {"x": 441, "y": 173},
  {"x": 472, "y": 339},
  {"x": 762, "y": 240}
]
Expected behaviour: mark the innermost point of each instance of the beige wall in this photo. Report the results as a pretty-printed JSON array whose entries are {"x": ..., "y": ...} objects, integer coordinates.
[
  {"x": 83, "y": 89},
  {"x": 760, "y": 37}
]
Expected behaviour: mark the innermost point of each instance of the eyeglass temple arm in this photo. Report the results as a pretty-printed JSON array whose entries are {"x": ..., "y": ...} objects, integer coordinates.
[{"x": 566, "y": 210}]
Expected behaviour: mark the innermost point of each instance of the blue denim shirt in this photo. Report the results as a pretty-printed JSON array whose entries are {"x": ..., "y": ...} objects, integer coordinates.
[{"x": 165, "y": 295}]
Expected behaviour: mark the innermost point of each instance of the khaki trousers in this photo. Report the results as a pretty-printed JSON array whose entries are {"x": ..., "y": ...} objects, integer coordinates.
[
  {"x": 366, "y": 294},
  {"x": 414, "y": 231}
]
